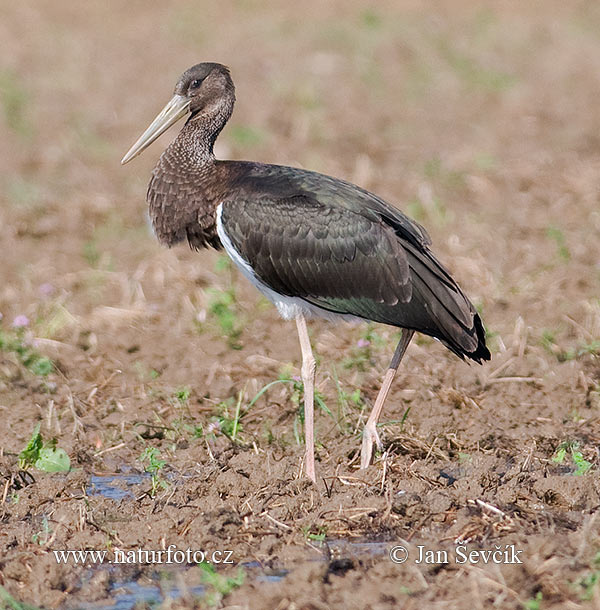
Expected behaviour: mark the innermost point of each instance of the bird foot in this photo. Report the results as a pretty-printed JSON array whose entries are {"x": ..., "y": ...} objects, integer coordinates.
[{"x": 370, "y": 436}]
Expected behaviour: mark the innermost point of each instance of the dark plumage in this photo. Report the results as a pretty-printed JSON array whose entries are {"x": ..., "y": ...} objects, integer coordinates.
[{"x": 312, "y": 243}]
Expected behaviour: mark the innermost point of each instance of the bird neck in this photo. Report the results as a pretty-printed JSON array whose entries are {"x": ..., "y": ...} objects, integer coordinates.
[
  {"x": 195, "y": 142},
  {"x": 186, "y": 183}
]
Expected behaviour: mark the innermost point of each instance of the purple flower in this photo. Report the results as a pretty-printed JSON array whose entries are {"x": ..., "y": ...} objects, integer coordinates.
[
  {"x": 46, "y": 289},
  {"x": 214, "y": 427},
  {"x": 21, "y": 321},
  {"x": 297, "y": 378},
  {"x": 363, "y": 343}
]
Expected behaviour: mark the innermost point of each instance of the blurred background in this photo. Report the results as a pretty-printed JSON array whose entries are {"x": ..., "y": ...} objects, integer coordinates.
[{"x": 481, "y": 120}]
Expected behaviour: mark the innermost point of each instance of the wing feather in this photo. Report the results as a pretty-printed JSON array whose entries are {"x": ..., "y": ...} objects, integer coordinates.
[{"x": 347, "y": 251}]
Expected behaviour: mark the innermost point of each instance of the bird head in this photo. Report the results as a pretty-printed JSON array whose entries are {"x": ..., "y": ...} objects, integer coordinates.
[{"x": 204, "y": 91}]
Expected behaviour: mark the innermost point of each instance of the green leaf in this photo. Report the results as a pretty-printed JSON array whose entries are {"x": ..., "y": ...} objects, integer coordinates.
[
  {"x": 52, "y": 459},
  {"x": 31, "y": 453}
]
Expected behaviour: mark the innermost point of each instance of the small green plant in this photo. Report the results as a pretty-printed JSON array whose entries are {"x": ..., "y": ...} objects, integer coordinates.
[
  {"x": 592, "y": 348},
  {"x": 182, "y": 395},
  {"x": 229, "y": 423},
  {"x": 144, "y": 373},
  {"x": 395, "y": 422},
  {"x": 18, "y": 342},
  {"x": 223, "y": 306},
  {"x": 220, "y": 585},
  {"x": 317, "y": 534},
  {"x": 43, "y": 456},
  {"x": 153, "y": 465},
  {"x": 347, "y": 403},
  {"x": 588, "y": 585},
  {"x": 534, "y": 603},
  {"x": 548, "y": 341},
  {"x": 572, "y": 448}
]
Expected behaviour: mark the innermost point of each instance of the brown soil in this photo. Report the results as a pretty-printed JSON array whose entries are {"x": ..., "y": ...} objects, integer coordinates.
[{"x": 481, "y": 123}]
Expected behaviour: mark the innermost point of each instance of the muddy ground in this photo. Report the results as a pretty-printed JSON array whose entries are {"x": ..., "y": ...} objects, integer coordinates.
[{"x": 482, "y": 123}]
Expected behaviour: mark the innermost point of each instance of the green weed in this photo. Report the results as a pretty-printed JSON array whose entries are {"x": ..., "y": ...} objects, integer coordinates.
[
  {"x": 416, "y": 209},
  {"x": 223, "y": 264},
  {"x": 230, "y": 424},
  {"x": 592, "y": 348},
  {"x": 17, "y": 342},
  {"x": 548, "y": 341},
  {"x": 318, "y": 534},
  {"x": 571, "y": 448},
  {"x": 153, "y": 465},
  {"x": 182, "y": 395},
  {"x": 43, "y": 456},
  {"x": 395, "y": 422},
  {"x": 222, "y": 305},
  {"x": 347, "y": 401},
  {"x": 485, "y": 162},
  {"x": 534, "y": 603},
  {"x": 588, "y": 585},
  {"x": 144, "y": 373},
  {"x": 220, "y": 585}
]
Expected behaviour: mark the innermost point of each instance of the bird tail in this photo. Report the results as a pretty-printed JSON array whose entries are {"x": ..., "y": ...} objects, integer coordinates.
[{"x": 451, "y": 317}]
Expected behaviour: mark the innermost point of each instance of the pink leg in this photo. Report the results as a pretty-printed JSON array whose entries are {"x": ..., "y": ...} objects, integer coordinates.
[
  {"x": 370, "y": 435},
  {"x": 308, "y": 379}
]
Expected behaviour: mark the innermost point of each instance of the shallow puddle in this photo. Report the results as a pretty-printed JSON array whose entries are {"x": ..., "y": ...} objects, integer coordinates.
[
  {"x": 126, "y": 594},
  {"x": 129, "y": 594},
  {"x": 115, "y": 486}
]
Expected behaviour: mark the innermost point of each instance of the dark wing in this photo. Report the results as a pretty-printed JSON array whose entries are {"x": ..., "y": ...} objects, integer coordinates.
[
  {"x": 300, "y": 247},
  {"x": 347, "y": 251}
]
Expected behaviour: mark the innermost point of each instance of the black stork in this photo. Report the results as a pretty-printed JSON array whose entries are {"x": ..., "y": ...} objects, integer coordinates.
[{"x": 314, "y": 245}]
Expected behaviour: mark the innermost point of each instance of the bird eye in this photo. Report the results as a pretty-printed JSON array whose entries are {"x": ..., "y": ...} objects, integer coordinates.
[{"x": 195, "y": 83}]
